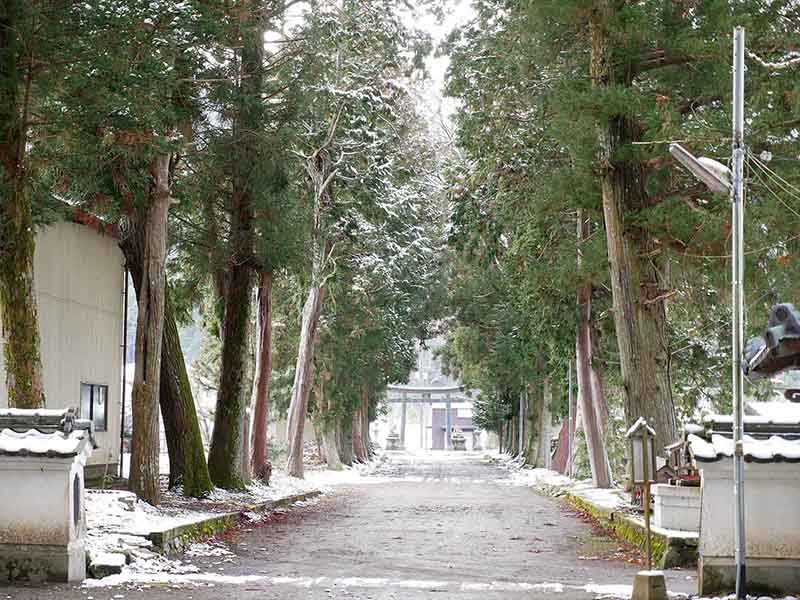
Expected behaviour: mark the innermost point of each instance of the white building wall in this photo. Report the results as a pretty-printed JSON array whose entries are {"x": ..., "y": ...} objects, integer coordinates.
[{"x": 78, "y": 275}]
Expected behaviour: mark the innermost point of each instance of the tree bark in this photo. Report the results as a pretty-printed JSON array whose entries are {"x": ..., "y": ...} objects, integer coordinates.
[
  {"x": 226, "y": 463},
  {"x": 327, "y": 423},
  {"x": 544, "y": 418},
  {"x": 359, "y": 447},
  {"x": 344, "y": 437},
  {"x": 591, "y": 427},
  {"x": 639, "y": 309},
  {"x": 261, "y": 465},
  {"x": 144, "y": 471},
  {"x": 227, "y": 444},
  {"x": 331, "y": 447},
  {"x": 20, "y": 324},
  {"x": 187, "y": 457},
  {"x": 321, "y": 172},
  {"x": 298, "y": 406}
]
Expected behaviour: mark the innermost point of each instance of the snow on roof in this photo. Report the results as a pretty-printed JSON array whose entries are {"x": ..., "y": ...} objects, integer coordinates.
[
  {"x": 784, "y": 420},
  {"x": 780, "y": 412},
  {"x": 33, "y": 412},
  {"x": 640, "y": 422},
  {"x": 774, "y": 449},
  {"x": 36, "y": 443}
]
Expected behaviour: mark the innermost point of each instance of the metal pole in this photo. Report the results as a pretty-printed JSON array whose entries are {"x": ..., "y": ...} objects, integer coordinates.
[
  {"x": 571, "y": 422},
  {"x": 521, "y": 424},
  {"x": 737, "y": 299},
  {"x": 403, "y": 423},
  {"x": 124, "y": 371},
  {"x": 447, "y": 421},
  {"x": 647, "y": 445}
]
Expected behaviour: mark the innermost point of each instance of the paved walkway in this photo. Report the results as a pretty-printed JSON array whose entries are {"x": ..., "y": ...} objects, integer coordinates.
[{"x": 438, "y": 526}]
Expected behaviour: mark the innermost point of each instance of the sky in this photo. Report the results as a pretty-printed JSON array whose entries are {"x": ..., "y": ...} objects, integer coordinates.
[{"x": 458, "y": 14}]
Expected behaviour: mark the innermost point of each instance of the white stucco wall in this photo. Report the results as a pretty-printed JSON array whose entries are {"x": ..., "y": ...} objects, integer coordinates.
[
  {"x": 28, "y": 515},
  {"x": 772, "y": 524},
  {"x": 78, "y": 275}
]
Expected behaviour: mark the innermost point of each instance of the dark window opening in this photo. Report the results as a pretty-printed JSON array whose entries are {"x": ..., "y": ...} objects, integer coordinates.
[
  {"x": 76, "y": 500},
  {"x": 94, "y": 405}
]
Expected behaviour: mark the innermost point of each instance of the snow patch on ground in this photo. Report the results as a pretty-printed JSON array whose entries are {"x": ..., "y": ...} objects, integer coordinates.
[
  {"x": 612, "y": 498},
  {"x": 118, "y": 523},
  {"x": 358, "y": 474},
  {"x": 208, "y": 549}
]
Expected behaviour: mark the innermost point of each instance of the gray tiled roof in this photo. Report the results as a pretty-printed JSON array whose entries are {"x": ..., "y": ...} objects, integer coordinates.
[
  {"x": 41, "y": 444},
  {"x": 772, "y": 449}
]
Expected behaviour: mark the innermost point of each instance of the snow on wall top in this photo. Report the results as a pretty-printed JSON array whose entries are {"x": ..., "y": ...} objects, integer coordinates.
[
  {"x": 774, "y": 449},
  {"x": 38, "y": 444}
]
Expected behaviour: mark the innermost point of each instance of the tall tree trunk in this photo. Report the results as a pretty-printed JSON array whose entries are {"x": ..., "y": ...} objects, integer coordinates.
[
  {"x": 227, "y": 444},
  {"x": 298, "y": 406},
  {"x": 248, "y": 381},
  {"x": 187, "y": 457},
  {"x": 344, "y": 437},
  {"x": 261, "y": 465},
  {"x": 20, "y": 325},
  {"x": 319, "y": 439},
  {"x": 226, "y": 463},
  {"x": 359, "y": 448},
  {"x": 328, "y": 425},
  {"x": 321, "y": 171},
  {"x": 144, "y": 471},
  {"x": 544, "y": 418},
  {"x": 639, "y": 307},
  {"x": 591, "y": 426},
  {"x": 365, "y": 422}
]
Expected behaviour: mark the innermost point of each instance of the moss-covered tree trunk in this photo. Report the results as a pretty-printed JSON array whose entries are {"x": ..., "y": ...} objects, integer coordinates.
[
  {"x": 360, "y": 452},
  {"x": 144, "y": 471},
  {"x": 20, "y": 325},
  {"x": 327, "y": 421},
  {"x": 224, "y": 457},
  {"x": 344, "y": 438},
  {"x": 187, "y": 457},
  {"x": 538, "y": 418},
  {"x": 591, "y": 422},
  {"x": 639, "y": 307},
  {"x": 261, "y": 465}
]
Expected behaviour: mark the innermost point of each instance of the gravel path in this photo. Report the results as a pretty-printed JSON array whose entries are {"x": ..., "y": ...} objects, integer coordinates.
[{"x": 446, "y": 526}]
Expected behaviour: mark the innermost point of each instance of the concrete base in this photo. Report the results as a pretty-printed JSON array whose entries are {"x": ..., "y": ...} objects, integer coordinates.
[
  {"x": 649, "y": 585},
  {"x": 97, "y": 472},
  {"x": 764, "y": 576},
  {"x": 36, "y": 563},
  {"x": 677, "y": 507},
  {"x": 393, "y": 443}
]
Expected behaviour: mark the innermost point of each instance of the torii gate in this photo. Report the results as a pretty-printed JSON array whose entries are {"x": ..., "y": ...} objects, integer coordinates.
[{"x": 401, "y": 394}]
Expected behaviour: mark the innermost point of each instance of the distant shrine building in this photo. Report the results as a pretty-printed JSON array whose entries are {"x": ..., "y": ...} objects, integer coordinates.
[{"x": 427, "y": 410}]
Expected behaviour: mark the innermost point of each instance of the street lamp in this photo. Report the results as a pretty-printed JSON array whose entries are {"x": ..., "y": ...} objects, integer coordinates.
[{"x": 714, "y": 175}]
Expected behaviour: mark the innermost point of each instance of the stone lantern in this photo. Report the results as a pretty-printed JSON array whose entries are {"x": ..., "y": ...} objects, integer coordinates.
[
  {"x": 393, "y": 441},
  {"x": 42, "y": 513},
  {"x": 643, "y": 458},
  {"x": 649, "y": 584},
  {"x": 458, "y": 439}
]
